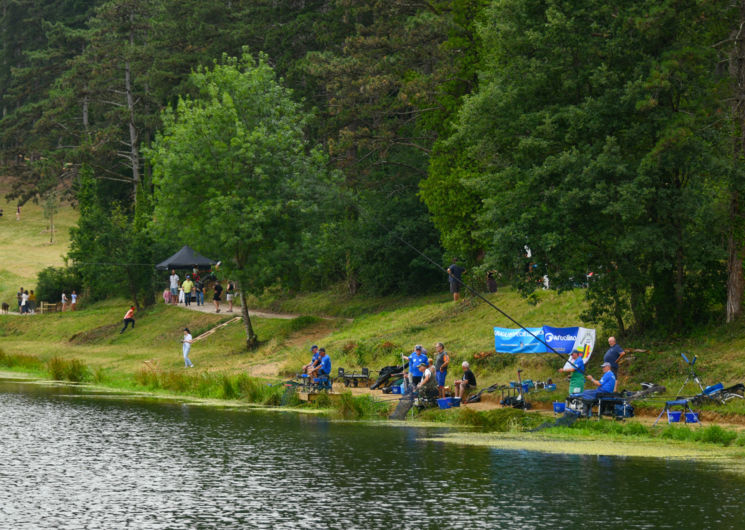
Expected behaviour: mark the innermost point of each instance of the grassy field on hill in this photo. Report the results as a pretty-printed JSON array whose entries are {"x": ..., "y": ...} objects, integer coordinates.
[{"x": 25, "y": 244}]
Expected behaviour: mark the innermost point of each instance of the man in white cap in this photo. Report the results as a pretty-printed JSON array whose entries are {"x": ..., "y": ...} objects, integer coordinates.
[
  {"x": 607, "y": 383},
  {"x": 463, "y": 386}
]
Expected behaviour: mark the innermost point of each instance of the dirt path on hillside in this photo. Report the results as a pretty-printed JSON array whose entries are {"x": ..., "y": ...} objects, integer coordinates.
[{"x": 210, "y": 308}]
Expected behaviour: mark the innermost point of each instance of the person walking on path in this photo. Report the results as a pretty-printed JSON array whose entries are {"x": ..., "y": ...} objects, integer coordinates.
[
  {"x": 24, "y": 303},
  {"x": 442, "y": 360},
  {"x": 187, "y": 286},
  {"x": 19, "y": 297},
  {"x": 577, "y": 379},
  {"x": 173, "y": 282},
  {"x": 230, "y": 294},
  {"x": 18, "y": 213},
  {"x": 32, "y": 302},
  {"x": 129, "y": 319},
  {"x": 63, "y": 299},
  {"x": 217, "y": 296},
  {"x": 612, "y": 356},
  {"x": 454, "y": 277},
  {"x": 187, "y": 341},
  {"x": 73, "y": 300}
]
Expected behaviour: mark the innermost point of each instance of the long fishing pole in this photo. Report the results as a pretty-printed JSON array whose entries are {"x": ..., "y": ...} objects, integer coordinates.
[{"x": 479, "y": 295}]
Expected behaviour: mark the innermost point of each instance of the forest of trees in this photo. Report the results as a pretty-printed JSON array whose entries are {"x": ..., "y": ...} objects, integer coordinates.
[{"x": 304, "y": 139}]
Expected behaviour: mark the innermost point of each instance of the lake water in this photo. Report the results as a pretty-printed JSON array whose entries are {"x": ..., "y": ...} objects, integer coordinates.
[{"x": 71, "y": 460}]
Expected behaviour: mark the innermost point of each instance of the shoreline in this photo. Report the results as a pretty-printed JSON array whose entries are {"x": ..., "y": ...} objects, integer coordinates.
[{"x": 559, "y": 443}]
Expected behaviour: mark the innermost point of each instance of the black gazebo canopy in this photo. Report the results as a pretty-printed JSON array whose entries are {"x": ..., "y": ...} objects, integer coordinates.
[{"x": 185, "y": 258}]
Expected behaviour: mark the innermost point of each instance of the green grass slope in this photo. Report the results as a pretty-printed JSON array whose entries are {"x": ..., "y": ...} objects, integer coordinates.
[{"x": 24, "y": 245}]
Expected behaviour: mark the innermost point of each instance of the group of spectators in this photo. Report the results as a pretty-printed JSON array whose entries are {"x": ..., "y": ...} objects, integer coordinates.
[
  {"x": 320, "y": 363},
  {"x": 26, "y": 301},
  {"x": 193, "y": 288},
  {"x": 428, "y": 375}
]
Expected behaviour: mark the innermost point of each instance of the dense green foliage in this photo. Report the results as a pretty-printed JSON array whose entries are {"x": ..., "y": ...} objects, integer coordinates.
[{"x": 535, "y": 137}]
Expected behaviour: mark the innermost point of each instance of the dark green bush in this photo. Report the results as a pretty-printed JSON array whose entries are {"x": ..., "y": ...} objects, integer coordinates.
[{"x": 53, "y": 281}]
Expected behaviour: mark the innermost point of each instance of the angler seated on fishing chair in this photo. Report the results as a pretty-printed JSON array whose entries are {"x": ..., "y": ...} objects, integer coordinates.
[
  {"x": 427, "y": 390},
  {"x": 322, "y": 373},
  {"x": 589, "y": 398}
]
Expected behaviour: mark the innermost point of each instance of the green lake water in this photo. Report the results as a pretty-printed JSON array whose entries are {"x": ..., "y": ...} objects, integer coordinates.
[{"x": 70, "y": 459}]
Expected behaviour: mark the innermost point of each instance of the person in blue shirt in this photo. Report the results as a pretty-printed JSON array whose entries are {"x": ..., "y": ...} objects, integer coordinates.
[
  {"x": 607, "y": 383},
  {"x": 308, "y": 368},
  {"x": 325, "y": 365},
  {"x": 417, "y": 357}
]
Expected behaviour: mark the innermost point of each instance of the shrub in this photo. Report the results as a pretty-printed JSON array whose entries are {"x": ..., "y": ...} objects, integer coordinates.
[
  {"x": 52, "y": 281},
  {"x": 73, "y": 370}
]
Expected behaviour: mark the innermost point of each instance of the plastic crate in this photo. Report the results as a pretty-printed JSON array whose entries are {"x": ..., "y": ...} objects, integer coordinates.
[
  {"x": 396, "y": 389},
  {"x": 455, "y": 402},
  {"x": 691, "y": 417},
  {"x": 550, "y": 387},
  {"x": 559, "y": 407},
  {"x": 673, "y": 416},
  {"x": 444, "y": 403}
]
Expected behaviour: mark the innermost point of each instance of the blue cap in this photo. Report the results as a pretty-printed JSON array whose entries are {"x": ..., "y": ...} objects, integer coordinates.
[{"x": 314, "y": 346}]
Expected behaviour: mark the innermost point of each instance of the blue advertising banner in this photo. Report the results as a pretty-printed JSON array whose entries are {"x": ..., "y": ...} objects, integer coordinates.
[
  {"x": 560, "y": 339},
  {"x": 508, "y": 340}
]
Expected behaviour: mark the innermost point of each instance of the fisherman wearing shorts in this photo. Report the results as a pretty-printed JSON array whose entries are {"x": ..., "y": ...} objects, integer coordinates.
[
  {"x": 442, "y": 359},
  {"x": 173, "y": 279}
]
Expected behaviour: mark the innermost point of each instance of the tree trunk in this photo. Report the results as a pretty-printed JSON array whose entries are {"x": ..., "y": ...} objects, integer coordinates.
[
  {"x": 735, "y": 283},
  {"x": 252, "y": 341},
  {"x": 133, "y": 136},
  {"x": 132, "y": 287}
]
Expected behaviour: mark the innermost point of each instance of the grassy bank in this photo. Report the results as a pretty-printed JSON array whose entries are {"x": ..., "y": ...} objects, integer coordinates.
[{"x": 25, "y": 244}]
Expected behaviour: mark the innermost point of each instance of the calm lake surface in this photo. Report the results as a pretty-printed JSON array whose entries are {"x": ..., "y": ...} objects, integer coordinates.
[{"x": 70, "y": 460}]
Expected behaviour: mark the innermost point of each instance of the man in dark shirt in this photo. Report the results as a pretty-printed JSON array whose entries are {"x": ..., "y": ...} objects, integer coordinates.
[
  {"x": 454, "y": 274},
  {"x": 612, "y": 356},
  {"x": 217, "y": 296},
  {"x": 468, "y": 383}
]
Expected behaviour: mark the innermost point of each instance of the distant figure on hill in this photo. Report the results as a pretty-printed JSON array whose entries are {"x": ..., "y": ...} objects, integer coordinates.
[
  {"x": 32, "y": 302},
  {"x": 187, "y": 287},
  {"x": 63, "y": 299},
  {"x": 73, "y": 300},
  {"x": 187, "y": 342},
  {"x": 24, "y": 303},
  {"x": 491, "y": 281},
  {"x": 217, "y": 296},
  {"x": 455, "y": 272},
  {"x": 19, "y": 297},
  {"x": 173, "y": 282},
  {"x": 199, "y": 290},
  {"x": 18, "y": 213},
  {"x": 129, "y": 319},
  {"x": 230, "y": 293}
]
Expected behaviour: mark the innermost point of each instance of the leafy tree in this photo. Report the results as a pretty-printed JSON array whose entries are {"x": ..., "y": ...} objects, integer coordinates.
[
  {"x": 593, "y": 140},
  {"x": 235, "y": 175}
]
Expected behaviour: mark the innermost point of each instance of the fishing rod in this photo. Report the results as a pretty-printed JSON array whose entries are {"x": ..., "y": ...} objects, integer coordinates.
[{"x": 473, "y": 291}]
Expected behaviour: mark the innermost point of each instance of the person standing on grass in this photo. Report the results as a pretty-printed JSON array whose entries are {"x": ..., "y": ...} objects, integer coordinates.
[
  {"x": 129, "y": 319},
  {"x": 230, "y": 294},
  {"x": 417, "y": 357},
  {"x": 18, "y": 213},
  {"x": 73, "y": 300},
  {"x": 577, "y": 369},
  {"x": 173, "y": 282},
  {"x": 217, "y": 296},
  {"x": 199, "y": 290},
  {"x": 32, "y": 302},
  {"x": 455, "y": 272},
  {"x": 442, "y": 360},
  {"x": 63, "y": 299},
  {"x": 612, "y": 356},
  {"x": 187, "y": 341},
  {"x": 19, "y": 297},
  {"x": 187, "y": 286},
  {"x": 24, "y": 303}
]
